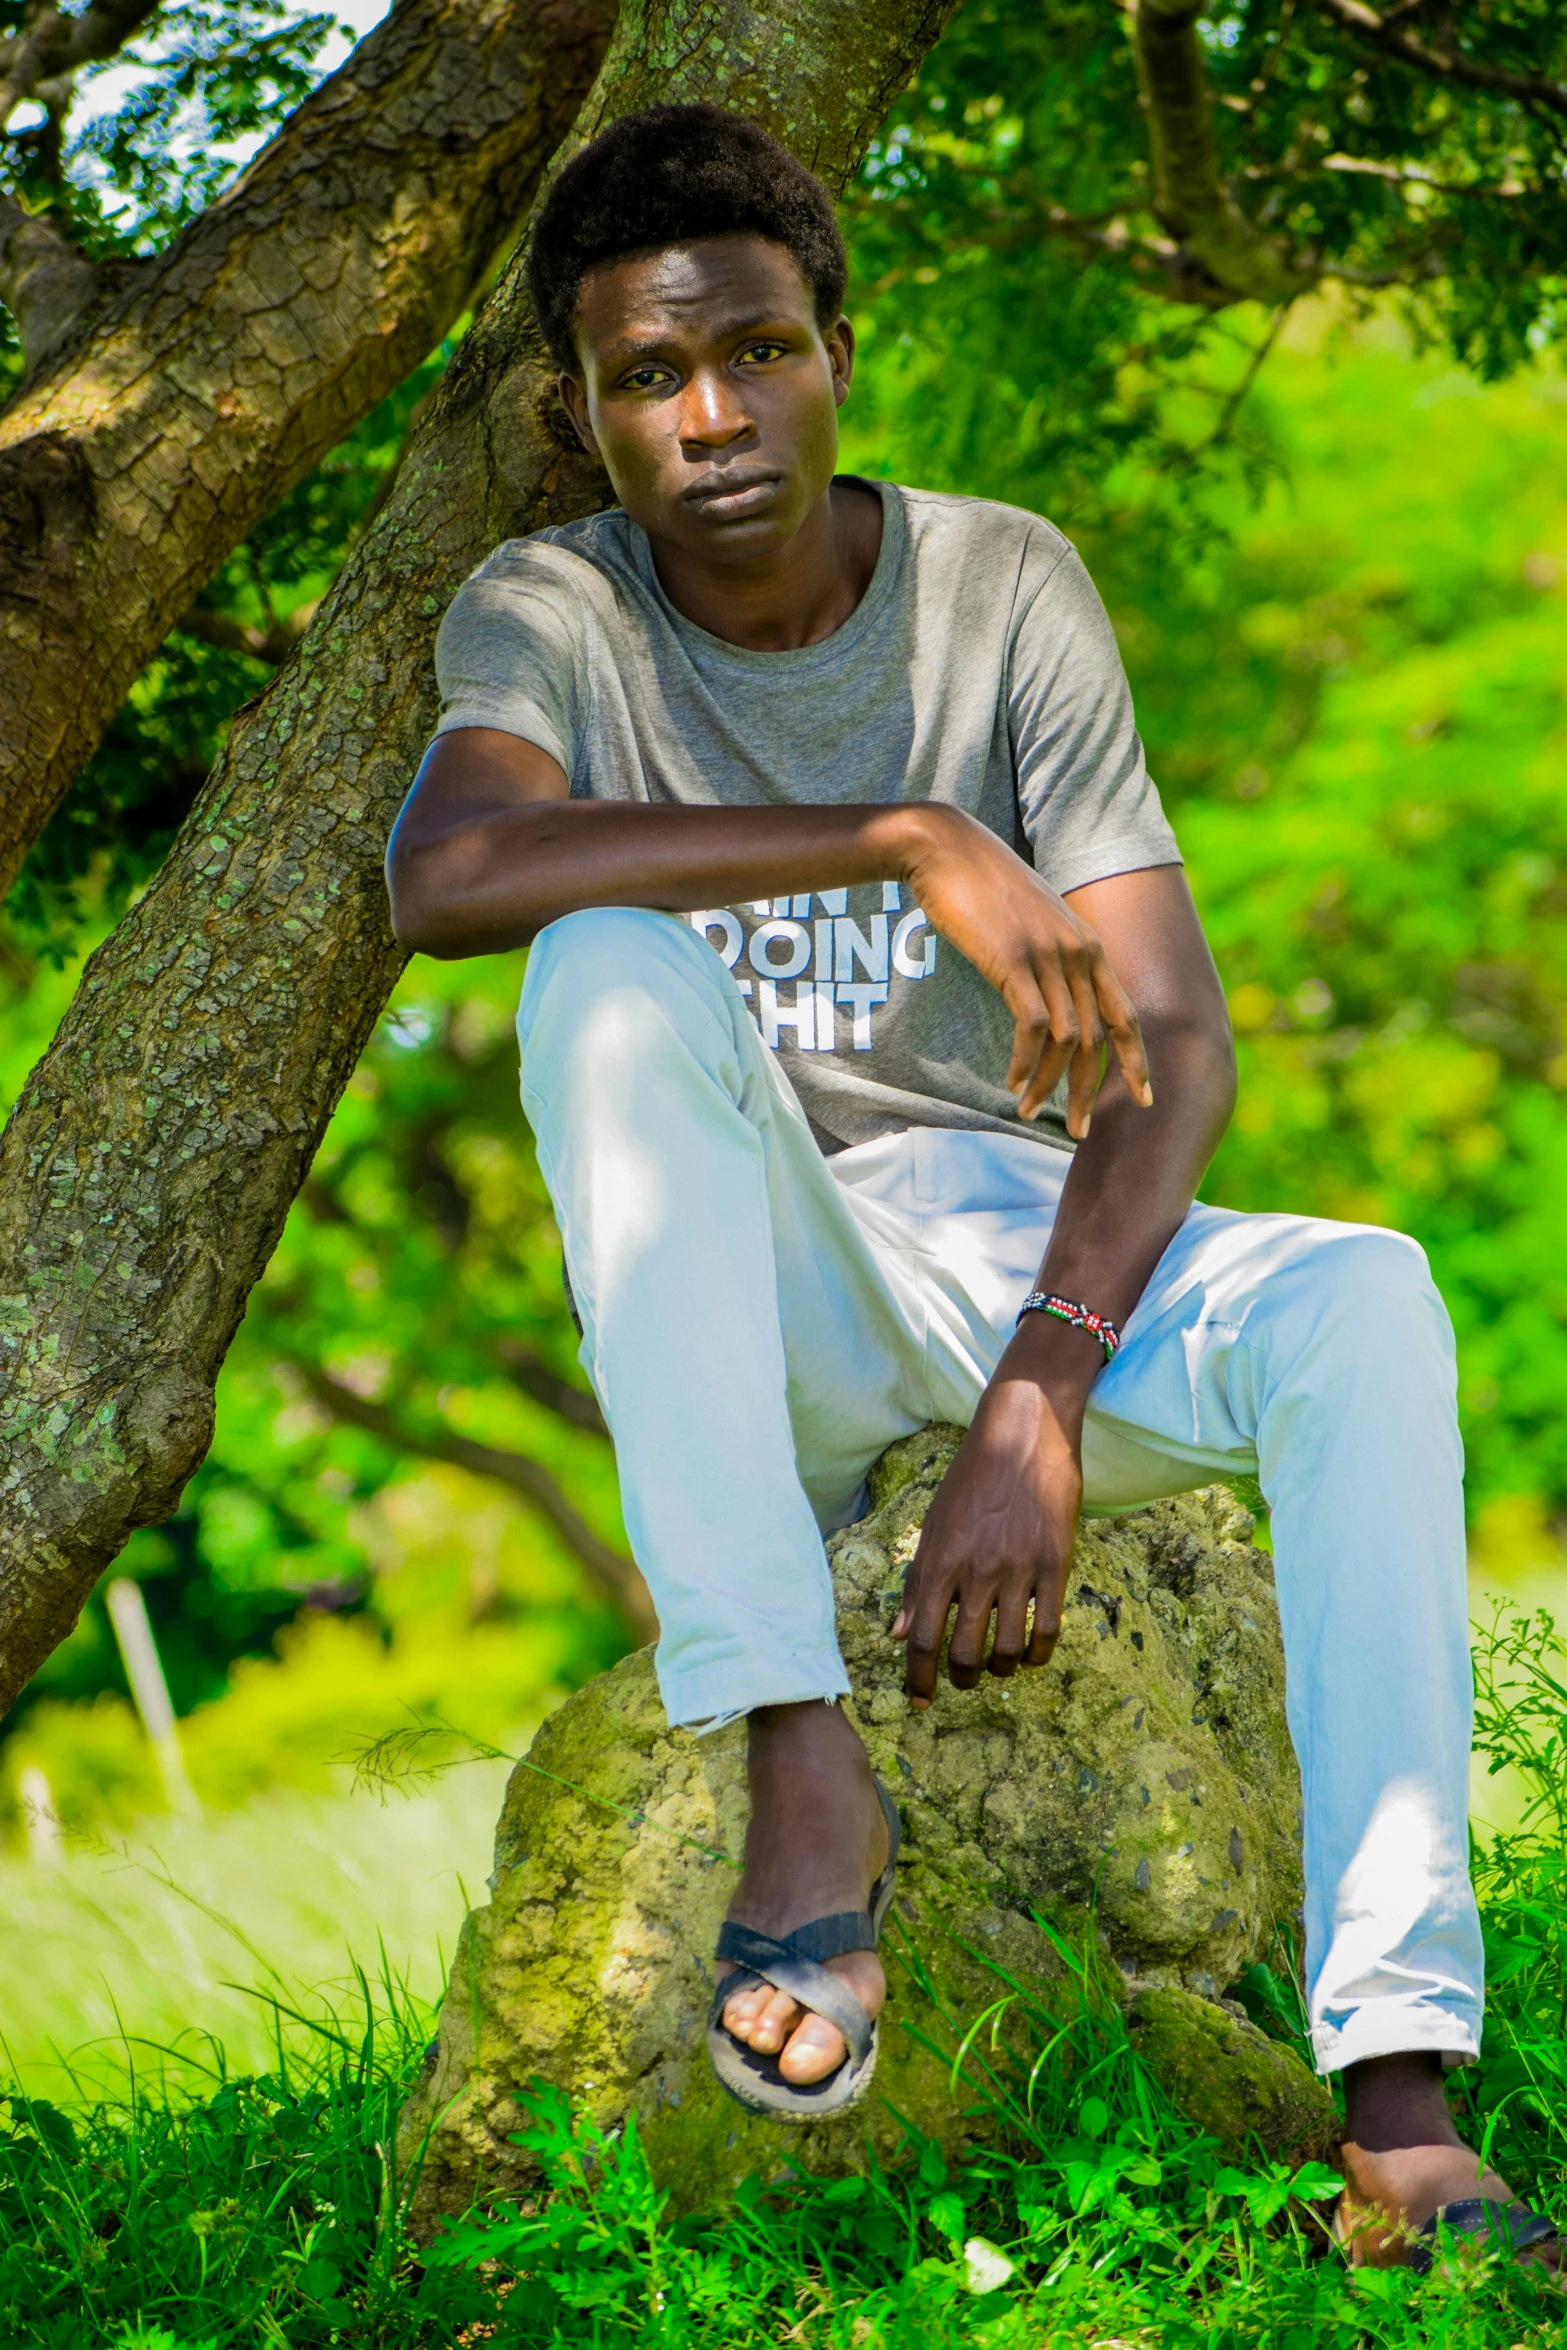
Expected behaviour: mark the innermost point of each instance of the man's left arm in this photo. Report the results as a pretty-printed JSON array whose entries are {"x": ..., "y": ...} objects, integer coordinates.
[{"x": 1000, "y": 1531}]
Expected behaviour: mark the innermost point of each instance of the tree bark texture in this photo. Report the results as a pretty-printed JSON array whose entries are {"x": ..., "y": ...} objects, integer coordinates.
[
  {"x": 149, "y": 1165},
  {"x": 194, "y": 390}
]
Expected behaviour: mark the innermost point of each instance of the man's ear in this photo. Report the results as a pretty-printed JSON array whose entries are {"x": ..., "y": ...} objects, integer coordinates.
[
  {"x": 840, "y": 351},
  {"x": 574, "y": 399}
]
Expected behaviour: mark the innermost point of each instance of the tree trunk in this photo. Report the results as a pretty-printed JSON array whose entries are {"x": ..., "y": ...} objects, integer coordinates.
[
  {"x": 149, "y": 1165},
  {"x": 193, "y": 391}
]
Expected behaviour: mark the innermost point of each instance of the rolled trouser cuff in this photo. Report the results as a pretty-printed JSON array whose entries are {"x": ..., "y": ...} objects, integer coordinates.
[
  {"x": 1389, "y": 2027},
  {"x": 722, "y": 1693}
]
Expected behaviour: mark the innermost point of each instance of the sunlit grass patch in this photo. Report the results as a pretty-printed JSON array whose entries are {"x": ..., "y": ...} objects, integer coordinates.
[
  {"x": 265, "y": 2207},
  {"x": 147, "y": 1950}
]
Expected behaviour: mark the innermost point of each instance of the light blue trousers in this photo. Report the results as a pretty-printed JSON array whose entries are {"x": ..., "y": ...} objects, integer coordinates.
[{"x": 761, "y": 1322}]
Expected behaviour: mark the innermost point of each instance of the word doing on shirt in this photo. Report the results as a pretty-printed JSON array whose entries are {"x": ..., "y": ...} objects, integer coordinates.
[{"x": 836, "y": 963}]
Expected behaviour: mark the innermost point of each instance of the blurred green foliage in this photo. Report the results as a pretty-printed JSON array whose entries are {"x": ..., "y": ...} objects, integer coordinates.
[
  {"x": 1372, "y": 803},
  {"x": 1339, "y": 583}
]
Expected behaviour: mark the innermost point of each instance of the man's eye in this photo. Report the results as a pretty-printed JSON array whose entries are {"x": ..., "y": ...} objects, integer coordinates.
[
  {"x": 764, "y": 351},
  {"x": 643, "y": 379}
]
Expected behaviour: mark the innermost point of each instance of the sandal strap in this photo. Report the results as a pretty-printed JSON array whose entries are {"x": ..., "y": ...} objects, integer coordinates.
[
  {"x": 823, "y": 1938},
  {"x": 1473, "y": 2215}
]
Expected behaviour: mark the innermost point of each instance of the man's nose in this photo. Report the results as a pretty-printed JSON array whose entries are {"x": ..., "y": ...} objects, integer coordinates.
[{"x": 713, "y": 414}]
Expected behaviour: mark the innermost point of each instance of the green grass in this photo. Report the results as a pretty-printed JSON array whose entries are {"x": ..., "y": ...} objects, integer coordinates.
[
  {"x": 147, "y": 1948},
  {"x": 264, "y": 2208}
]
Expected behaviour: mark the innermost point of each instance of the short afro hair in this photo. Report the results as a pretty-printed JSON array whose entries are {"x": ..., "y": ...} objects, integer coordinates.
[{"x": 666, "y": 176}]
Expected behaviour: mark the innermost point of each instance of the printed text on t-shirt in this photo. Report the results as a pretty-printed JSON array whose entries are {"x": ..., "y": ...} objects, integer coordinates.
[{"x": 837, "y": 965}]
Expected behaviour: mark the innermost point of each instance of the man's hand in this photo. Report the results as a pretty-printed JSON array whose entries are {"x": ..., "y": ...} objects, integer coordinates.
[
  {"x": 999, "y": 1535},
  {"x": 489, "y": 848},
  {"x": 1044, "y": 961}
]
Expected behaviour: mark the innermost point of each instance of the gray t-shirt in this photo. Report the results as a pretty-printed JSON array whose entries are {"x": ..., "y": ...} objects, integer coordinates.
[{"x": 979, "y": 670}]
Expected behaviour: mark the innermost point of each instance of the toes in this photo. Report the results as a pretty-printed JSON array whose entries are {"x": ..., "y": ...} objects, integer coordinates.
[
  {"x": 762, "y": 2018},
  {"x": 741, "y": 2011},
  {"x": 814, "y": 2051},
  {"x": 773, "y": 2026}
]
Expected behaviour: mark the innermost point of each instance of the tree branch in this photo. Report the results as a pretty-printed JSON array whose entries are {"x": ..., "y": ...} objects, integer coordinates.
[
  {"x": 1182, "y": 276},
  {"x": 1191, "y": 196},
  {"x": 272, "y": 644},
  {"x": 1236, "y": 398},
  {"x": 44, "y": 280},
  {"x": 199, "y": 386},
  {"x": 55, "y": 44},
  {"x": 1410, "y": 175},
  {"x": 527, "y": 1369},
  {"x": 1443, "y": 62},
  {"x": 615, "y": 1575}
]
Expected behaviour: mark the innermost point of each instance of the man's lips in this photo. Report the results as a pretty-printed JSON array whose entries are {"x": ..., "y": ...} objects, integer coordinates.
[{"x": 728, "y": 492}]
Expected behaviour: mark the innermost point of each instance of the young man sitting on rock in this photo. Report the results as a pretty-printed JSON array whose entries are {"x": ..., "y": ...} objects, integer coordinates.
[{"x": 821, "y": 805}]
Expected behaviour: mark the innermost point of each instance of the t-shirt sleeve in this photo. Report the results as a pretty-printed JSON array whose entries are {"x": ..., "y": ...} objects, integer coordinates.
[
  {"x": 507, "y": 655},
  {"x": 1089, "y": 807}
]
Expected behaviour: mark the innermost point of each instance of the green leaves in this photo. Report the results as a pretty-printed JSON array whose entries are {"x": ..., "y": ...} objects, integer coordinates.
[
  {"x": 204, "y": 84},
  {"x": 1094, "y": 2179},
  {"x": 1267, "y": 2192},
  {"x": 1355, "y": 711},
  {"x": 947, "y": 2216}
]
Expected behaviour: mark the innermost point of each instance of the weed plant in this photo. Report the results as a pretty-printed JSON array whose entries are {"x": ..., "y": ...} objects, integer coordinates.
[{"x": 269, "y": 2211}]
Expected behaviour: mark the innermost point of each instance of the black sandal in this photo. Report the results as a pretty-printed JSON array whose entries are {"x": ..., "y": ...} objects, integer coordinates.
[
  {"x": 795, "y": 1963},
  {"x": 1511, "y": 2227}
]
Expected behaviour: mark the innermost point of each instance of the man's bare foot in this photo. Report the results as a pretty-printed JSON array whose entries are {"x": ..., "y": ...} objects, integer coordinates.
[
  {"x": 1402, "y": 2157},
  {"x": 816, "y": 1844}
]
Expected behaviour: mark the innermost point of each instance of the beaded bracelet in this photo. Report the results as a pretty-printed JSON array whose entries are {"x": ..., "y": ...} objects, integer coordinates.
[{"x": 1067, "y": 1309}]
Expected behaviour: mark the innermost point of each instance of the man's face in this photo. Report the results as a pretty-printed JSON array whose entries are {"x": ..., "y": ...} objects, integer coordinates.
[{"x": 711, "y": 394}]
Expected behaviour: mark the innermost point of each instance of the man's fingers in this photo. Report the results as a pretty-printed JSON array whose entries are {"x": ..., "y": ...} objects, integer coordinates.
[
  {"x": 1064, "y": 1011},
  {"x": 1034, "y": 1090},
  {"x": 1047, "y": 1626},
  {"x": 1006, "y": 1651},
  {"x": 1030, "y": 1030},
  {"x": 1052, "y": 1044},
  {"x": 1122, "y": 1033},
  {"x": 1088, "y": 1060},
  {"x": 966, "y": 1651},
  {"x": 922, "y": 1623},
  {"x": 927, "y": 1624}
]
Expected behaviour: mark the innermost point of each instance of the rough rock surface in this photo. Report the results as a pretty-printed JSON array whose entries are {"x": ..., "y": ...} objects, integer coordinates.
[
  {"x": 1232, "y": 2080},
  {"x": 1147, "y": 1775}
]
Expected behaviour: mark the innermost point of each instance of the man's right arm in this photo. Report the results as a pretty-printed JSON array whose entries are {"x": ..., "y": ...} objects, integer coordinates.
[{"x": 489, "y": 848}]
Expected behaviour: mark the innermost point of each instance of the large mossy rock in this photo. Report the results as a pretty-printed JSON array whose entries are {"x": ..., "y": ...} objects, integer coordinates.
[
  {"x": 1231, "y": 2081},
  {"x": 1141, "y": 1789}
]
